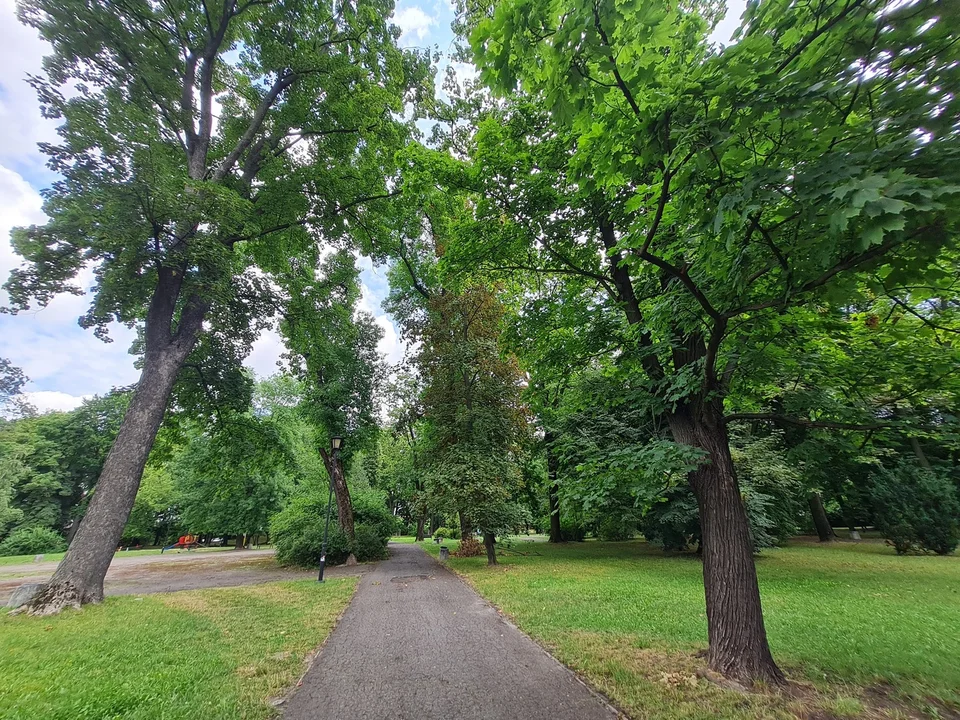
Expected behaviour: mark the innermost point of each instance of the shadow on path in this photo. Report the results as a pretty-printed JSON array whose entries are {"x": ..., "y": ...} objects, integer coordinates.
[{"x": 418, "y": 644}]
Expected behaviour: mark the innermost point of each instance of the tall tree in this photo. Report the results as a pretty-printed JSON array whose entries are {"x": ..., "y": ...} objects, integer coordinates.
[
  {"x": 472, "y": 403},
  {"x": 722, "y": 189},
  {"x": 333, "y": 350},
  {"x": 198, "y": 141}
]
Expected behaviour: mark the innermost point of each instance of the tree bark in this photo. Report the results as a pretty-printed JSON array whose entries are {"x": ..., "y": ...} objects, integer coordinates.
[
  {"x": 824, "y": 531},
  {"x": 489, "y": 541},
  {"x": 556, "y": 533},
  {"x": 79, "y": 577},
  {"x": 420, "y": 524},
  {"x": 738, "y": 639},
  {"x": 341, "y": 493},
  {"x": 918, "y": 451},
  {"x": 466, "y": 527}
]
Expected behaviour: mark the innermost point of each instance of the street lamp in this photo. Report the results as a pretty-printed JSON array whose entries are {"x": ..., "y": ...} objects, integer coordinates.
[{"x": 336, "y": 442}]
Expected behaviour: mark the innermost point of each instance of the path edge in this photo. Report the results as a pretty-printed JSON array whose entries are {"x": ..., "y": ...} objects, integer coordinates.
[
  {"x": 508, "y": 620},
  {"x": 277, "y": 702}
]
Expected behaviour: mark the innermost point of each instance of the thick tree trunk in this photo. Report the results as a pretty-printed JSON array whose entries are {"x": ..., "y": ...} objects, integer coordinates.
[
  {"x": 738, "y": 639},
  {"x": 466, "y": 527},
  {"x": 79, "y": 577},
  {"x": 420, "y": 524},
  {"x": 820, "y": 520},
  {"x": 489, "y": 541}
]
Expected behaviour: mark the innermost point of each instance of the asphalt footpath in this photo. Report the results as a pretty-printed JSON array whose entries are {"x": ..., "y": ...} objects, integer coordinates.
[{"x": 417, "y": 643}]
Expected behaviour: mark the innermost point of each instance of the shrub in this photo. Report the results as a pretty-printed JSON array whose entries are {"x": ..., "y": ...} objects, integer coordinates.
[
  {"x": 673, "y": 523},
  {"x": 370, "y": 508},
  {"x": 615, "y": 528},
  {"x": 297, "y": 533},
  {"x": 445, "y": 533},
  {"x": 572, "y": 531},
  {"x": 33, "y": 541},
  {"x": 916, "y": 510},
  {"x": 370, "y": 545},
  {"x": 471, "y": 547}
]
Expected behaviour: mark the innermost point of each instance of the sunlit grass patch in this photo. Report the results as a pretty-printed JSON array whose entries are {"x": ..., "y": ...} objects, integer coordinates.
[
  {"x": 843, "y": 618},
  {"x": 212, "y": 654}
]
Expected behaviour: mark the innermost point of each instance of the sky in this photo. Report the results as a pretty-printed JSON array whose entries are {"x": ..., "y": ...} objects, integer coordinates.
[{"x": 64, "y": 362}]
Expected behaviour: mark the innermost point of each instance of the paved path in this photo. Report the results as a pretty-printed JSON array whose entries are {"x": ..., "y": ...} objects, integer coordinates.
[{"x": 418, "y": 644}]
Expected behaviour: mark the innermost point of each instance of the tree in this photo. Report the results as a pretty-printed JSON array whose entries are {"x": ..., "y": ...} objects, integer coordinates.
[
  {"x": 471, "y": 401},
  {"x": 718, "y": 215},
  {"x": 12, "y": 380},
  {"x": 333, "y": 350},
  {"x": 174, "y": 206},
  {"x": 230, "y": 482}
]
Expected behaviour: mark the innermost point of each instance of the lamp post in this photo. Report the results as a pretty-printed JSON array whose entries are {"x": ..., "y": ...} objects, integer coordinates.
[{"x": 336, "y": 442}]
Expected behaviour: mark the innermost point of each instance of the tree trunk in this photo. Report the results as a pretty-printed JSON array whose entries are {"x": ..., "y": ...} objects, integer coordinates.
[
  {"x": 342, "y": 495},
  {"x": 738, "y": 639},
  {"x": 556, "y": 536},
  {"x": 918, "y": 451},
  {"x": 79, "y": 577},
  {"x": 420, "y": 523},
  {"x": 824, "y": 531},
  {"x": 489, "y": 541},
  {"x": 340, "y": 492},
  {"x": 466, "y": 527}
]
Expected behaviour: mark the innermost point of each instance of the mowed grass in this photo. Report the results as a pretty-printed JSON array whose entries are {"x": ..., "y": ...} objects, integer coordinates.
[
  {"x": 864, "y": 627},
  {"x": 196, "y": 655}
]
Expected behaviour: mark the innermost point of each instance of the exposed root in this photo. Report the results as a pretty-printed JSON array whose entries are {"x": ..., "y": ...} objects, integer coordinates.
[{"x": 54, "y": 598}]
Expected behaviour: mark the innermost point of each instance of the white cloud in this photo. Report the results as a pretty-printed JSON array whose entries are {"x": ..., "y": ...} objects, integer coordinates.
[
  {"x": 47, "y": 401},
  {"x": 46, "y": 343},
  {"x": 20, "y": 204},
  {"x": 414, "y": 22},
  {"x": 266, "y": 353},
  {"x": 390, "y": 344}
]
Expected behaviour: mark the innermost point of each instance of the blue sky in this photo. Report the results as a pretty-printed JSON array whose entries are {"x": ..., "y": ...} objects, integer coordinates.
[{"x": 65, "y": 362}]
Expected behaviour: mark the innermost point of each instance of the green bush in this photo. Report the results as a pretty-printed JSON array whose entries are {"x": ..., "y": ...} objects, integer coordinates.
[
  {"x": 32, "y": 541},
  {"x": 370, "y": 545},
  {"x": 572, "y": 531},
  {"x": 370, "y": 508},
  {"x": 673, "y": 523},
  {"x": 916, "y": 510},
  {"x": 617, "y": 527},
  {"x": 297, "y": 533},
  {"x": 445, "y": 533}
]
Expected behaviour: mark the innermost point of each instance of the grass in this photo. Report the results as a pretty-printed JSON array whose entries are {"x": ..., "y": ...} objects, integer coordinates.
[
  {"x": 57, "y": 557},
  {"x": 211, "y": 654},
  {"x": 859, "y": 624}
]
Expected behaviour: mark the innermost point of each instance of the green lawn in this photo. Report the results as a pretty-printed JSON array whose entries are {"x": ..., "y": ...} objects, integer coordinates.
[
  {"x": 196, "y": 655},
  {"x": 57, "y": 557},
  {"x": 855, "y": 620}
]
